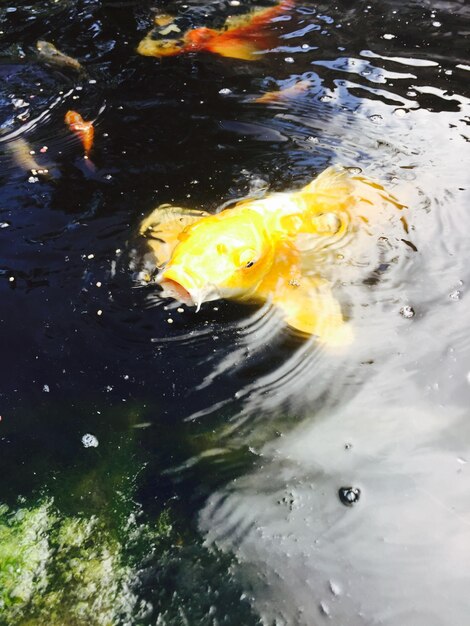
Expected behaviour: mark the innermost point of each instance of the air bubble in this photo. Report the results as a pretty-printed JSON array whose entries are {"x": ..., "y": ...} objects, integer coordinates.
[
  {"x": 89, "y": 441},
  {"x": 225, "y": 91},
  {"x": 289, "y": 59},
  {"x": 349, "y": 495},
  {"x": 407, "y": 312}
]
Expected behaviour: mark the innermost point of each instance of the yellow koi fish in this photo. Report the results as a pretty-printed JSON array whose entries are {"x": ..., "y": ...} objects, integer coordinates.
[{"x": 259, "y": 250}]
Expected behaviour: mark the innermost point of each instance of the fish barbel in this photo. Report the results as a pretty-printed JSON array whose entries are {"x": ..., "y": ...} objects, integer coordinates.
[
  {"x": 256, "y": 250},
  {"x": 241, "y": 37}
]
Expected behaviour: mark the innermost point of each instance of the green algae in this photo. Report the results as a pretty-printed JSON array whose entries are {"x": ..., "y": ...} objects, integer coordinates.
[
  {"x": 62, "y": 570},
  {"x": 73, "y": 571},
  {"x": 83, "y": 550}
]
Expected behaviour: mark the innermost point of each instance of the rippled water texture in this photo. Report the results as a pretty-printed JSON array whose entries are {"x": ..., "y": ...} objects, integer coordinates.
[{"x": 118, "y": 406}]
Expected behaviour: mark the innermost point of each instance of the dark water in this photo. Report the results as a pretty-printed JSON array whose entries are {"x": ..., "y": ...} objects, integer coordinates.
[{"x": 223, "y": 439}]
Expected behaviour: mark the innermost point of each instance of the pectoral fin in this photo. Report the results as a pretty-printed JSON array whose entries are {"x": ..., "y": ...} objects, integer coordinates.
[
  {"x": 308, "y": 305},
  {"x": 163, "y": 226}
]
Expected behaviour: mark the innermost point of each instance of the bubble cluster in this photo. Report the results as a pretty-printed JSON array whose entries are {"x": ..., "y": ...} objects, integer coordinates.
[
  {"x": 407, "y": 312},
  {"x": 89, "y": 441}
]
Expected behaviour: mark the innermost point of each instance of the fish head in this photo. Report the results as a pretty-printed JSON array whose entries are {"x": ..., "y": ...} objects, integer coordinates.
[
  {"x": 221, "y": 256},
  {"x": 150, "y": 47},
  {"x": 72, "y": 118},
  {"x": 45, "y": 47}
]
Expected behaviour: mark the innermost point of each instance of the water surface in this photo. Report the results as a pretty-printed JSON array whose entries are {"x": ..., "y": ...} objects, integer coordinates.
[{"x": 225, "y": 421}]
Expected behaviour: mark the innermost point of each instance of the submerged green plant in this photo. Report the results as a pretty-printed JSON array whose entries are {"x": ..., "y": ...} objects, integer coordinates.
[
  {"x": 24, "y": 552},
  {"x": 57, "y": 571},
  {"x": 85, "y": 552}
]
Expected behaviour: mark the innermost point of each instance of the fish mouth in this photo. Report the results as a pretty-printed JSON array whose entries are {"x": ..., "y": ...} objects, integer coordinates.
[
  {"x": 174, "y": 289},
  {"x": 176, "y": 282},
  {"x": 182, "y": 285}
]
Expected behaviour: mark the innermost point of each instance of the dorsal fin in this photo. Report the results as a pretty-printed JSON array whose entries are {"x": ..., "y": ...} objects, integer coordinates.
[{"x": 331, "y": 191}]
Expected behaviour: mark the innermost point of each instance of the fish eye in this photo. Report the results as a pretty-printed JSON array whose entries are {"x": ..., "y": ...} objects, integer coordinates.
[{"x": 246, "y": 258}]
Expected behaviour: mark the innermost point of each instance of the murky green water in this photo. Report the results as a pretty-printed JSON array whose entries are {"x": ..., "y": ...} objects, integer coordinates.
[{"x": 166, "y": 467}]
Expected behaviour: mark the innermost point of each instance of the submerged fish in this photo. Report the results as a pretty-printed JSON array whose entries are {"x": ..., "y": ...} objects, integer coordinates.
[
  {"x": 299, "y": 88},
  {"x": 259, "y": 250},
  {"x": 241, "y": 37},
  {"x": 22, "y": 156},
  {"x": 48, "y": 53},
  {"x": 84, "y": 130}
]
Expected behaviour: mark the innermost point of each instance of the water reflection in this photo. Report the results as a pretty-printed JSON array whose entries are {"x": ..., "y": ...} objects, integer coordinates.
[{"x": 252, "y": 429}]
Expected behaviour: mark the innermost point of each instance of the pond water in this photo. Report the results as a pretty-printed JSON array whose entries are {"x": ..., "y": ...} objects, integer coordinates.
[{"x": 162, "y": 466}]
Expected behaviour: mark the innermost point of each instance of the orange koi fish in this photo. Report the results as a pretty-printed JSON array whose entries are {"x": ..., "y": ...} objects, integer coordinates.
[
  {"x": 84, "y": 130},
  {"x": 270, "y": 249},
  {"x": 241, "y": 37}
]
